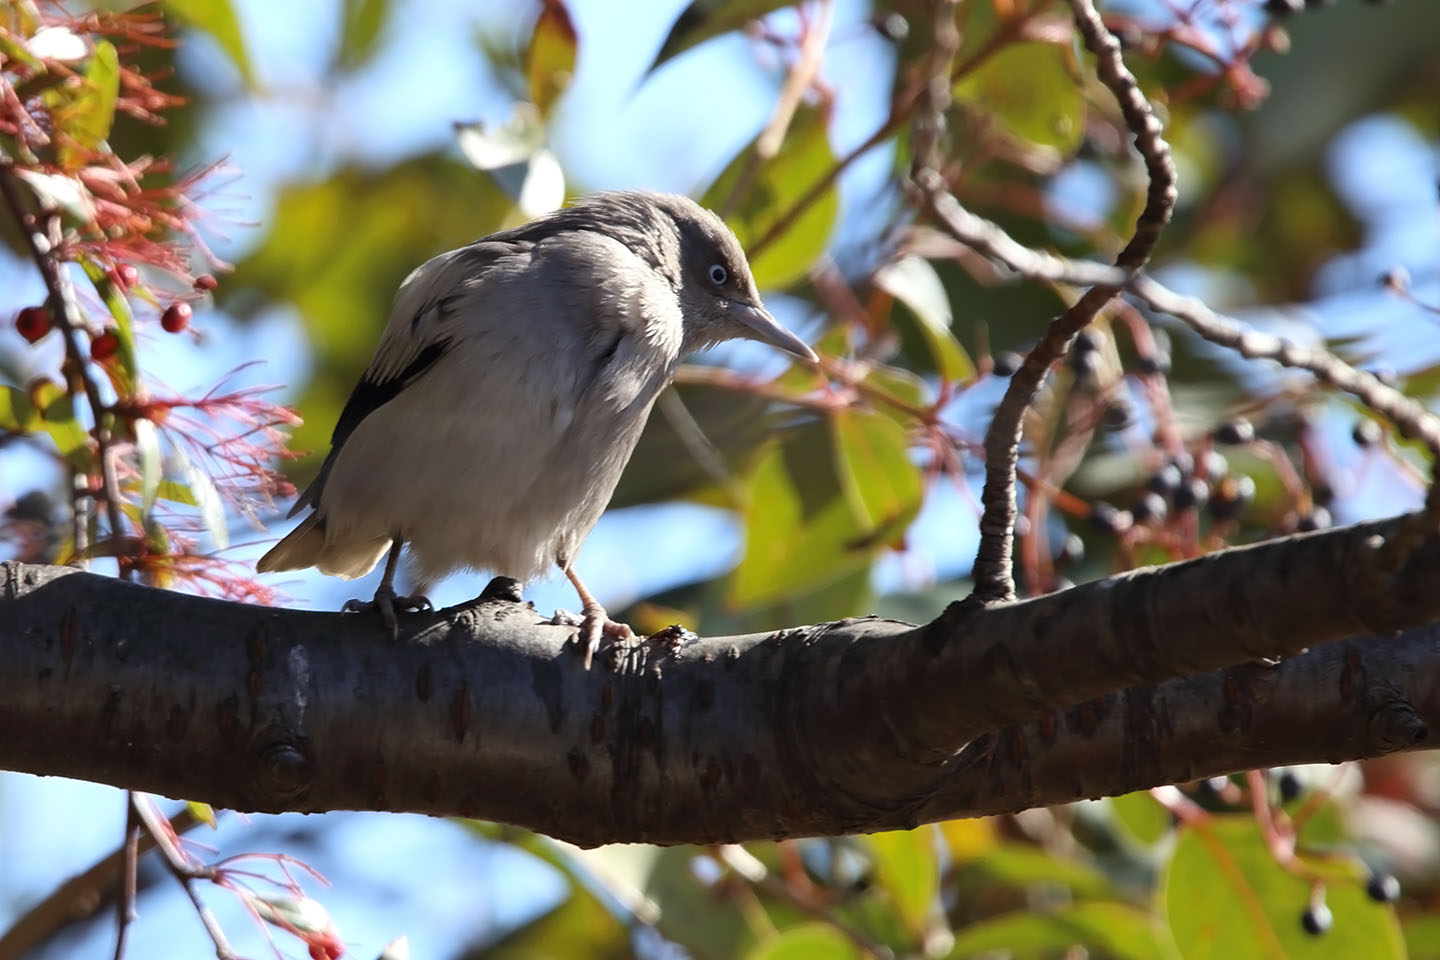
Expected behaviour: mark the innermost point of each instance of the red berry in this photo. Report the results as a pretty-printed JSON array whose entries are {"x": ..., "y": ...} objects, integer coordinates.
[
  {"x": 104, "y": 346},
  {"x": 33, "y": 323},
  {"x": 125, "y": 276},
  {"x": 176, "y": 317},
  {"x": 206, "y": 282}
]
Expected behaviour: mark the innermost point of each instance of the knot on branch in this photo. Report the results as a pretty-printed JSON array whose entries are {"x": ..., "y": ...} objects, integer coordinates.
[
  {"x": 283, "y": 774},
  {"x": 1396, "y": 726}
]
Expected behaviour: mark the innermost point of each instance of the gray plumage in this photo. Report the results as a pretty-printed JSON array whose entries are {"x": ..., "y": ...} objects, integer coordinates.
[{"x": 512, "y": 382}]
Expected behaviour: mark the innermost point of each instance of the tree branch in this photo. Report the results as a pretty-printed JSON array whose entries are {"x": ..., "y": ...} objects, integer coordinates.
[{"x": 857, "y": 725}]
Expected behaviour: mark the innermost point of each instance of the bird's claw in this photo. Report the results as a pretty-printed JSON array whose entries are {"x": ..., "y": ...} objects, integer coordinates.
[
  {"x": 387, "y": 603},
  {"x": 594, "y": 625}
]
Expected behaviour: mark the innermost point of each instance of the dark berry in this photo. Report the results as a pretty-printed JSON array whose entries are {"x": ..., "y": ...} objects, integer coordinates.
[
  {"x": 1085, "y": 363},
  {"x": 1118, "y": 415},
  {"x": 104, "y": 346},
  {"x": 1382, "y": 888},
  {"x": 32, "y": 323},
  {"x": 1366, "y": 433},
  {"x": 1166, "y": 480},
  {"x": 205, "y": 283},
  {"x": 1317, "y": 919},
  {"x": 1071, "y": 551},
  {"x": 1396, "y": 280},
  {"x": 1235, "y": 432},
  {"x": 1007, "y": 363},
  {"x": 1149, "y": 506},
  {"x": 1191, "y": 494},
  {"x": 1104, "y": 517},
  {"x": 1230, "y": 496},
  {"x": 1211, "y": 788},
  {"x": 176, "y": 317},
  {"x": 1322, "y": 493},
  {"x": 1085, "y": 342},
  {"x": 1316, "y": 519},
  {"x": 1283, "y": 8},
  {"x": 1153, "y": 363},
  {"x": 1290, "y": 785}
]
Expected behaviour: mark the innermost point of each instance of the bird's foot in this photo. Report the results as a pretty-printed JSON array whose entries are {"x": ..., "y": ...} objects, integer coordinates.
[
  {"x": 594, "y": 624},
  {"x": 388, "y": 604}
]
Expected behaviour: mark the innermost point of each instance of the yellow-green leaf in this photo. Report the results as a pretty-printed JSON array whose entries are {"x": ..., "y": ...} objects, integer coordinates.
[
  {"x": 550, "y": 59},
  {"x": 1112, "y": 930},
  {"x": 217, "y": 18},
  {"x": 908, "y": 870},
  {"x": 769, "y": 192},
  {"x": 809, "y": 941},
  {"x": 1032, "y": 91},
  {"x": 17, "y": 413},
  {"x": 57, "y": 416},
  {"x": 882, "y": 487},
  {"x": 202, "y": 812},
  {"x": 360, "y": 25},
  {"x": 86, "y": 119}
]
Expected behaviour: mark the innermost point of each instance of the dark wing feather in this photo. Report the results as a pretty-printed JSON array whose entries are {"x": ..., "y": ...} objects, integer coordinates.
[{"x": 367, "y": 397}]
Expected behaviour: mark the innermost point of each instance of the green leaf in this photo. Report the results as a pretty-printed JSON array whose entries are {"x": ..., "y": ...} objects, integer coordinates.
[
  {"x": 907, "y": 869},
  {"x": 17, "y": 413},
  {"x": 914, "y": 282},
  {"x": 881, "y": 485},
  {"x": 1022, "y": 868},
  {"x": 87, "y": 117},
  {"x": 550, "y": 58},
  {"x": 1031, "y": 89},
  {"x": 360, "y": 25},
  {"x": 704, "y": 19},
  {"x": 579, "y": 927},
  {"x": 1227, "y": 899},
  {"x": 1142, "y": 816},
  {"x": 810, "y": 941},
  {"x": 217, "y": 18},
  {"x": 57, "y": 417},
  {"x": 176, "y": 493},
  {"x": 800, "y": 532},
  {"x": 770, "y": 191},
  {"x": 1111, "y": 930}
]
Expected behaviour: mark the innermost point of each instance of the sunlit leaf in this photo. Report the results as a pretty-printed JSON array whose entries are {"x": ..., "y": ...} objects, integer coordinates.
[
  {"x": 768, "y": 193},
  {"x": 1022, "y": 868},
  {"x": 57, "y": 418},
  {"x": 800, "y": 532},
  {"x": 811, "y": 941},
  {"x": 1112, "y": 930},
  {"x": 1227, "y": 898},
  {"x": 17, "y": 412},
  {"x": 550, "y": 58},
  {"x": 202, "y": 812},
  {"x": 1031, "y": 89},
  {"x": 175, "y": 493},
  {"x": 86, "y": 119},
  {"x": 914, "y": 282},
  {"x": 1140, "y": 814},
  {"x": 704, "y": 19},
  {"x": 967, "y": 839},
  {"x": 881, "y": 485},
  {"x": 217, "y": 18},
  {"x": 907, "y": 868},
  {"x": 124, "y": 372},
  {"x": 360, "y": 25}
]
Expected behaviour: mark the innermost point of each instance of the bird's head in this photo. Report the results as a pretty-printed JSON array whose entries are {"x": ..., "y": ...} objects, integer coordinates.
[{"x": 707, "y": 268}]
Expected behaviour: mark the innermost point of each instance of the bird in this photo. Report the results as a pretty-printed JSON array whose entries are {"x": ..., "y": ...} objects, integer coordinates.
[{"x": 508, "y": 391}]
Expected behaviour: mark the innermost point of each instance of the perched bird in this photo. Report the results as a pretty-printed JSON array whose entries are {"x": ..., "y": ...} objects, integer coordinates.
[{"x": 509, "y": 389}]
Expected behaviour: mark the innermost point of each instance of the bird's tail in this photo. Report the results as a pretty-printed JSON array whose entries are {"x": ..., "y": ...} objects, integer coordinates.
[{"x": 306, "y": 546}]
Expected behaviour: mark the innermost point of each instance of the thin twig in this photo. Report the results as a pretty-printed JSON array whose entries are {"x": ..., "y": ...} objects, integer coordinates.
[
  {"x": 183, "y": 870},
  {"x": 130, "y": 852},
  {"x": 994, "y": 579}
]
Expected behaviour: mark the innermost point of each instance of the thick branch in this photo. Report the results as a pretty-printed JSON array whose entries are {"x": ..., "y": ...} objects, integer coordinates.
[{"x": 858, "y": 725}]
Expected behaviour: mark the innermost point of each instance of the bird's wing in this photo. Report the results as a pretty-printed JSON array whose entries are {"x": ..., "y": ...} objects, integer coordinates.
[{"x": 421, "y": 330}]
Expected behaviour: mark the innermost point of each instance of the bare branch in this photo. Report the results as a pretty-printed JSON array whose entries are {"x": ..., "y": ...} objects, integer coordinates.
[{"x": 483, "y": 710}]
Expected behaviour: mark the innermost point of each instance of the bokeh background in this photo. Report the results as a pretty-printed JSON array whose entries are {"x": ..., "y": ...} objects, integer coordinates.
[{"x": 343, "y": 170}]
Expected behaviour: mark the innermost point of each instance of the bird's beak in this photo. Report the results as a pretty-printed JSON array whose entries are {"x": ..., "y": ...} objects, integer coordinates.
[{"x": 759, "y": 325}]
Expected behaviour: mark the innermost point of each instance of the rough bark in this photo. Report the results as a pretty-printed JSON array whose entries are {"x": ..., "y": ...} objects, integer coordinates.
[{"x": 483, "y": 711}]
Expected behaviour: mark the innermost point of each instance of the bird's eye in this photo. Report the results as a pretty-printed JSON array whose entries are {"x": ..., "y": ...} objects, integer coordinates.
[{"x": 718, "y": 274}]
